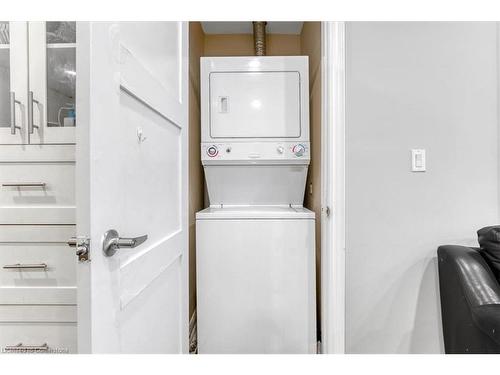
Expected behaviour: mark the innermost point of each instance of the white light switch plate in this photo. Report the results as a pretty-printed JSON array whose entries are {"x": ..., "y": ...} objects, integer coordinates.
[{"x": 418, "y": 160}]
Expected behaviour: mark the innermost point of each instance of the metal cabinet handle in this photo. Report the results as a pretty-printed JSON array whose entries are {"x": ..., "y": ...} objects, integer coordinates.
[
  {"x": 112, "y": 242},
  {"x": 20, "y": 348},
  {"x": 19, "y": 266},
  {"x": 30, "y": 112},
  {"x": 13, "y": 102},
  {"x": 24, "y": 184}
]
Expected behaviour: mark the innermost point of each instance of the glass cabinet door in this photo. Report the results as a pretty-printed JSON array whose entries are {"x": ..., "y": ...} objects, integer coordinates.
[
  {"x": 13, "y": 82},
  {"x": 52, "y": 92}
]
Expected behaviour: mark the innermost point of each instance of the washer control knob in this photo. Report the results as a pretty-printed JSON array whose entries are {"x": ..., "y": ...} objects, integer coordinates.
[
  {"x": 299, "y": 150},
  {"x": 280, "y": 149},
  {"x": 212, "y": 151}
]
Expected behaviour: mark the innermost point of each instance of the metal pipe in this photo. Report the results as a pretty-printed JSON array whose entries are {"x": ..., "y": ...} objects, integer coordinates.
[{"x": 259, "y": 36}]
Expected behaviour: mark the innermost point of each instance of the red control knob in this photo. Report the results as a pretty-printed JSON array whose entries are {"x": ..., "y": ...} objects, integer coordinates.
[
  {"x": 299, "y": 150},
  {"x": 212, "y": 151}
]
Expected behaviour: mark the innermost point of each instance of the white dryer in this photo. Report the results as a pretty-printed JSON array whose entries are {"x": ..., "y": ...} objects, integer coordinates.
[{"x": 255, "y": 244}]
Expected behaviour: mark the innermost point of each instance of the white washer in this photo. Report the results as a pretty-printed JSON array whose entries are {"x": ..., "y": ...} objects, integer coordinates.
[
  {"x": 255, "y": 243},
  {"x": 256, "y": 280}
]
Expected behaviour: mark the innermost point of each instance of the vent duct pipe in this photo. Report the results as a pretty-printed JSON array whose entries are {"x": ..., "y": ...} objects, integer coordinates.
[{"x": 259, "y": 36}]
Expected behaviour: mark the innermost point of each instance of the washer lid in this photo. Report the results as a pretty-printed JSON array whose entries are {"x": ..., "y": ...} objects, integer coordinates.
[
  {"x": 256, "y": 185},
  {"x": 254, "y": 212}
]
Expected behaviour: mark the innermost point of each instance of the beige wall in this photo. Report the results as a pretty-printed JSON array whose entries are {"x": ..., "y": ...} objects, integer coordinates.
[
  {"x": 242, "y": 45},
  {"x": 196, "y": 178},
  {"x": 310, "y": 41}
]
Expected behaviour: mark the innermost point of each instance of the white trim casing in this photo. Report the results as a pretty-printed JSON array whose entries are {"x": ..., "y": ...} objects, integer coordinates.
[
  {"x": 82, "y": 185},
  {"x": 333, "y": 188}
]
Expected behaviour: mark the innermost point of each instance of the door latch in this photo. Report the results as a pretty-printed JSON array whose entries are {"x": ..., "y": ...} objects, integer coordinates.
[
  {"x": 326, "y": 210},
  {"x": 82, "y": 245}
]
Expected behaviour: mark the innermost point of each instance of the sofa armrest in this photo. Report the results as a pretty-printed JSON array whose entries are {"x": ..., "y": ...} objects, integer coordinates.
[
  {"x": 478, "y": 283},
  {"x": 470, "y": 301},
  {"x": 487, "y": 319}
]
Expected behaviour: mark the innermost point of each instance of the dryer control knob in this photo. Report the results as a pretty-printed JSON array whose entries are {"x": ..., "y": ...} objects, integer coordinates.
[
  {"x": 280, "y": 149},
  {"x": 212, "y": 151},
  {"x": 299, "y": 150}
]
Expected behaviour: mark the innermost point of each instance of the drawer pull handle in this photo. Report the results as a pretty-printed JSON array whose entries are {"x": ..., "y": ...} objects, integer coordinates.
[
  {"x": 13, "y": 103},
  {"x": 20, "y": 348},
  {"x": 19, "y": 266},
  {"x": 24, "y": 184},
  {"x": 31, "y": 125}
]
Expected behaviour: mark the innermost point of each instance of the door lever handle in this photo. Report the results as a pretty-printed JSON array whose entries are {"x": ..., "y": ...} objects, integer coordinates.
[{"x": 112, "y": 241}]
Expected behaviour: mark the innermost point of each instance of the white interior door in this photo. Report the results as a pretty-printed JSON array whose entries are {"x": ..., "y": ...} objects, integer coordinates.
[
  {"x": 52, "y": 82},
  {"x": 13, "y": 82},
  {"x": 132, "y": 177}
]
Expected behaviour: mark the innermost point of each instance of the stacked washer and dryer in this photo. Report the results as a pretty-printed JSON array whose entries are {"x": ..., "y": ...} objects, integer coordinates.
[{"x": 255, "y": 242}]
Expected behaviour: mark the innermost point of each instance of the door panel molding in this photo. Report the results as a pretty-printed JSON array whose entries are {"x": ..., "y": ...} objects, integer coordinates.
[
  {"x": 137, "y": 80},
  {"x": 139, "y": 273},
  {"x": 143, "y": 101}
]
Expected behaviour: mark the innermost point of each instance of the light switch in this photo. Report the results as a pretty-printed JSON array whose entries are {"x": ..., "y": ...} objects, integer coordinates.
[{"x": 418, "y": 160}]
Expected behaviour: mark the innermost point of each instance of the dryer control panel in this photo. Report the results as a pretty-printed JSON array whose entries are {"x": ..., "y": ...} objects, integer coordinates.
[{"x": 279, "y": 152}]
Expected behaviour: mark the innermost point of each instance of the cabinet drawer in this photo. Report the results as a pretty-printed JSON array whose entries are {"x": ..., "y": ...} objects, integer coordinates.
[
  {"x": 42, "y": 264},
  {"x": 37, "y": 193},
  {"x": 26, "y": 338},
  {"x": 38, "y": 329},
  {"x": 37, "y": 314},
  {"x": 36, "y": 264}
]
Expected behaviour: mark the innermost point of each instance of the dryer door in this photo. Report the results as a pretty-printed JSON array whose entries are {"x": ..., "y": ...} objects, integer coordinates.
[{"x": 255, "y": 104}]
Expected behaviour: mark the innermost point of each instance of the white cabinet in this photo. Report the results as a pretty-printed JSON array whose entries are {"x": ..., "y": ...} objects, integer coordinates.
[
  {"x": 37, "y": 268},
  {"x": 37, "y": 193},
  {"x": 13, "y": 82},
  {"x": 37, "y": 187},
  {"x": 37, "y": 82},
  {"x": 52, "y": 79},
  {"x": 36, "y": 265}
]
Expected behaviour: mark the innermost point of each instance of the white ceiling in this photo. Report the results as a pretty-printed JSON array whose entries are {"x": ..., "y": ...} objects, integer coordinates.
[{"x": 246, "y": 27}]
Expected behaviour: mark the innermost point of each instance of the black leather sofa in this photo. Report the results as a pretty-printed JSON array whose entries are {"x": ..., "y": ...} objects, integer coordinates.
[{"x": 470, "y": 301}]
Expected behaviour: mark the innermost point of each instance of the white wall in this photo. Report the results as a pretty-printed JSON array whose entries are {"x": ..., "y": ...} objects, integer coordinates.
[{"x": 414, "y": 85}]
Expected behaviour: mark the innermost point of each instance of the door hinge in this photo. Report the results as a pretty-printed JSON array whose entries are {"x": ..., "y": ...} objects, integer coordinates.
[{"x": 82, "y": 245}]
